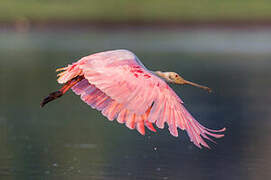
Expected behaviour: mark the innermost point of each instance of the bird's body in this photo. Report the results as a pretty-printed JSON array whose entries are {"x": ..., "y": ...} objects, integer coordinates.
[{"x": 122, "y": 88}]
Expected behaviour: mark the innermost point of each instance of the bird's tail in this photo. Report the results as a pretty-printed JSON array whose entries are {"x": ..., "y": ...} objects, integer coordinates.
[
  {"x": 69, "y": 76},
  {"x": 69, "y": 72}
]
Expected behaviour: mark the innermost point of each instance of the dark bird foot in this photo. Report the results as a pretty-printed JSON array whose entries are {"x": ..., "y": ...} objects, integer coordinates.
[{"x": 52, "y": 96}]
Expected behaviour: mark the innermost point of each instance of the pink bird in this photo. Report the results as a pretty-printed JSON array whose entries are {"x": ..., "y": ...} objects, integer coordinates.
[{"x": 122, "y": 88}]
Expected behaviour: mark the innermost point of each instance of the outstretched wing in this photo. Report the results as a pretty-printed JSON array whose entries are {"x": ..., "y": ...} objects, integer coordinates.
[{"x": 126, "y": 91}]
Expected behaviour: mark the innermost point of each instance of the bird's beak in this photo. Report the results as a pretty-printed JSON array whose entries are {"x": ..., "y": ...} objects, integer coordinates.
[{"x": 180, "y": 80}]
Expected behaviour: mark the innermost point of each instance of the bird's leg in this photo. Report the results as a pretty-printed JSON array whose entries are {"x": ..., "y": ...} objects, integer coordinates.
[
  {"x": 57, "y": 94},
  {"x": 183, "y": 81}
]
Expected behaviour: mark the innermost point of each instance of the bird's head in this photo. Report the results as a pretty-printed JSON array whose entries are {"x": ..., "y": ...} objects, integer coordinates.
[
  {"x": 175, "y": 78},
  {"x": 171, "y": 77}
]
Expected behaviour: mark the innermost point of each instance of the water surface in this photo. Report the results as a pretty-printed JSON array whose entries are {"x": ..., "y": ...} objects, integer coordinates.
[{"x": 69, "y": 140}]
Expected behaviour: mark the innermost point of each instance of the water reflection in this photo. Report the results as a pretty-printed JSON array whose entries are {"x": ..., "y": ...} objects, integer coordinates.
[{"x": 67, "y": 139}]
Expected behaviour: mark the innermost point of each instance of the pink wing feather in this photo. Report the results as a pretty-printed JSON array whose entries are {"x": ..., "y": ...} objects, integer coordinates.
[{"x": 123, "y": 89}]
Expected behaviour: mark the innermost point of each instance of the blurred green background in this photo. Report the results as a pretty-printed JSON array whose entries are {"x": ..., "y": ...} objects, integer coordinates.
[{"x": 139, "y": 10}]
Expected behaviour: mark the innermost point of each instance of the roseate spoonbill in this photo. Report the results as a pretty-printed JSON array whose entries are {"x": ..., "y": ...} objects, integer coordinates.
[{"x": 122, "y": 88}]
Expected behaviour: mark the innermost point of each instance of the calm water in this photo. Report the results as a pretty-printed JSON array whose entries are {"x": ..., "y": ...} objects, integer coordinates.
[{"x": 69, "y": 140}]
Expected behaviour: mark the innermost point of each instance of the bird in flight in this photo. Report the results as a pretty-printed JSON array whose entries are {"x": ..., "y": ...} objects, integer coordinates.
[{"x": 117, "y": 84}]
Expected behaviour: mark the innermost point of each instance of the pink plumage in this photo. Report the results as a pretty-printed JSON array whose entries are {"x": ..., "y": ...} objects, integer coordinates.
[{"x": 117, "y": 84}]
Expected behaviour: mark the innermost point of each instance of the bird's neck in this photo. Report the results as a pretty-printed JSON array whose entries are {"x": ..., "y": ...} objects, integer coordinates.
[{"x": 161, "y": 75}]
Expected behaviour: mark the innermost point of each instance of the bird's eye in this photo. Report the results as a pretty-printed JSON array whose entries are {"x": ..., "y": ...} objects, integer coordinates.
[{"x": 176, "y": 75}]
